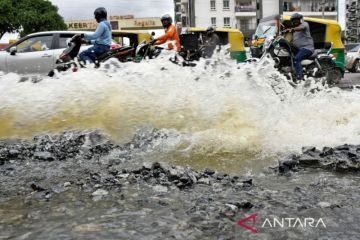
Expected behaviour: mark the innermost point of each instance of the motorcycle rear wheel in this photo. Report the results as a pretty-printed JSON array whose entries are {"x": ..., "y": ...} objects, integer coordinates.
[{"x": 330, "y": 72}]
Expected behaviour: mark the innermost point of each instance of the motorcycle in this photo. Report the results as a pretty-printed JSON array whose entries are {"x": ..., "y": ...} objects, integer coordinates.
[
  {"x": 67, "y": 59},
  {"x": 146, "y": 50},
  {"x": 320, "y": 64},
  {"x": 187, "y": 57},
  {"x": 190, "y": 51}
]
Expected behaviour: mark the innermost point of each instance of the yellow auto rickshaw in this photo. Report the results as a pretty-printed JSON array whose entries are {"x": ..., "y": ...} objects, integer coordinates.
[
  {"x": 322, "y": 31},
  {"x": 234, "y": 37},
  {"x": 131, "y": 37}
]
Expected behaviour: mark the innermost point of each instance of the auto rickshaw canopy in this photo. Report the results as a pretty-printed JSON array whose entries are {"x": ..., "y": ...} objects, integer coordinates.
[{"x": 231, "y": 36}]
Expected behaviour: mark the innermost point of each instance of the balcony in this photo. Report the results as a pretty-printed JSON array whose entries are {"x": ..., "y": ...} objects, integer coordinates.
[
  {"x": 328, "y": 15},
  {"x": 245, "y": 11},
  {"x": 247, "y": 8},
  {"x": 309, "y": 6}
]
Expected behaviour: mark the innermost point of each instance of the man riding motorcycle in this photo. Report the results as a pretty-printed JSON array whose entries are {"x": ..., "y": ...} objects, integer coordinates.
[
  {"x": 101, "y": 38},
  {"x": 171, "y": 34},
  {"x": 302, "y": 42}
]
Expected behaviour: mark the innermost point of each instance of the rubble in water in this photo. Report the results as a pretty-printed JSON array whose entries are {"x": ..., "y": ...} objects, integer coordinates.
[
  {"x": 81, "y": 184},
  {"x": 344, "y": 158}
]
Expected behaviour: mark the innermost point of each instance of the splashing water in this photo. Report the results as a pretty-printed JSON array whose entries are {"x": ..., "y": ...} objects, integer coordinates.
[{"x": 214, "y": 111}]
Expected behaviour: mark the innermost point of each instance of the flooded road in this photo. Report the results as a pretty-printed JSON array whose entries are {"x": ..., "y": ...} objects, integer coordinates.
[
  {"x": 157, "y": 151},
  {"x": 92, "y": 188}
]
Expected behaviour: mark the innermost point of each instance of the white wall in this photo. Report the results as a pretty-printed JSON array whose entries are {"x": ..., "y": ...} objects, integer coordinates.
[
  {"x": 270, "y": 7},
  {"x": 342, "y": 14},
  {"x": 203, "y": 14}
]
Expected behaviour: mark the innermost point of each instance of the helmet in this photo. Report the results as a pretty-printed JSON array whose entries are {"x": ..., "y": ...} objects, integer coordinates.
[
  {"x": 100, "y": 13},
  {"x": 166, "y": 20},
  {"x": 296, "y": 16},
  {"x": 210, "y": 30},
  {"x": 296, "y": 19}
]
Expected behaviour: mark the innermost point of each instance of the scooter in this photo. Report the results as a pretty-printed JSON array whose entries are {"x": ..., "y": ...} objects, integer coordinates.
[{"x": 67, "y": 59}]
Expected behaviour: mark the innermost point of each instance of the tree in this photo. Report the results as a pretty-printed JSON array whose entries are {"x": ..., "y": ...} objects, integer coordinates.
[{"x": 28, "y": 16}]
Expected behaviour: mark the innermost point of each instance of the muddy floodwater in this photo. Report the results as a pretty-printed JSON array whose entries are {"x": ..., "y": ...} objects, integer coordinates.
[
  {"x": 81, "y": 185},
  {"x": 157, "y": 151}
]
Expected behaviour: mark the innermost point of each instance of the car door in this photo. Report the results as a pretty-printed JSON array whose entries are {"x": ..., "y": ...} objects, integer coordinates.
[{"x": 33, "y": 55}]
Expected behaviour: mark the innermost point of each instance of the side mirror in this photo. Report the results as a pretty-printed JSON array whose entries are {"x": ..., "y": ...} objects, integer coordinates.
[
  {"x": 152, "y": 33},
  {"x": 13, "y": 50}
]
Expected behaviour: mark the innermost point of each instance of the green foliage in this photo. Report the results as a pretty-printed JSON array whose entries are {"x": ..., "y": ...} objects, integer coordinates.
[{"x": 29, "y": 16}]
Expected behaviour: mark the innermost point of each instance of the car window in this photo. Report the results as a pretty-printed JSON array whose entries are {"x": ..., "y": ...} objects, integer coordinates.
[
  {"x": 35, "y": 44},
  {"x": 355, "y": 49},
  {"x": 349, "y": 46},
  {"x": 64, "y": 40}
]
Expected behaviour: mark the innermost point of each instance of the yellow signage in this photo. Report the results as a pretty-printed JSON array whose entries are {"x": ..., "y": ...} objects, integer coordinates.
[
  {"x": 144, "y": 23},
  {"x": 124, "y": 23},
  {"x": 121, "y": 17},
  {"x": 81, "y": 25}
]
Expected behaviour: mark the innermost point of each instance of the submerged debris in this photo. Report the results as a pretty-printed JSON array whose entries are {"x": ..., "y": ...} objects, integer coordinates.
[
  {"x": 344, "y": 158},
  {"x": 81, "y": 182}
]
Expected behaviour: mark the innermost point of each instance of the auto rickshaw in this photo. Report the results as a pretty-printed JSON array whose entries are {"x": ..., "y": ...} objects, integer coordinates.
[
  {"x": 130, "y": 39},
  {"x": 322, "y": 31},
  {"x": 133, "y": 36},
  {"x": 227, "y": 35}
]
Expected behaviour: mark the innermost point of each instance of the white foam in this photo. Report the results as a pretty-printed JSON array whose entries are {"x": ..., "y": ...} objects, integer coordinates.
[{"x": 217, "y": 106}]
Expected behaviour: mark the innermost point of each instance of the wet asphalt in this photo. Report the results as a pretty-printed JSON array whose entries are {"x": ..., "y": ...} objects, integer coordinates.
[{"x": 350, "y": 80}]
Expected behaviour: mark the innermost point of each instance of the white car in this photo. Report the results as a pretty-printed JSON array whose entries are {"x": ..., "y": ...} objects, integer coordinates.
[
  {"x": 353, "y": 57},
  {"x": 36, "y": 53}
]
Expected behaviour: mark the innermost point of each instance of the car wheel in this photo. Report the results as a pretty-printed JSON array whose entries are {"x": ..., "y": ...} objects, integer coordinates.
[{"x": 356, "y": 66}]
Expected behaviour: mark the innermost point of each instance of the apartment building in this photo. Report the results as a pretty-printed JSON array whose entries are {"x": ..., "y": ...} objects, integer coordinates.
[
  {"x": 244, "y": 14},
  {"x": 352, "y": 21}
]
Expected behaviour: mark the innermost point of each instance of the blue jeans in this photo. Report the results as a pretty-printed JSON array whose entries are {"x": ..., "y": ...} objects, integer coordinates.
[
  {"x": 92, "y": 53},
  {"x": 302, "y": 54}
]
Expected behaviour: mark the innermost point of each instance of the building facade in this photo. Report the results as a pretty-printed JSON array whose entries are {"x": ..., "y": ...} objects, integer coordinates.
[
  {"x": 352, "y": 21},
  {"x": 245, "y": 14},
  {"x": 128, "y": 22}
]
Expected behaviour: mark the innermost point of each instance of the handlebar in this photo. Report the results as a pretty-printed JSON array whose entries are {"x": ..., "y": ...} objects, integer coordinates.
[{"x": 285, "y": 31}]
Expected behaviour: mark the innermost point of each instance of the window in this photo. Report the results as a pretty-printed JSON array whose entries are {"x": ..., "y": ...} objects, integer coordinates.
[
  {"x": 184, "y": 21},
  {"x": 177, "y": 8},
  {"x": 64, "y": 40},
  {"x": 355, "y": 49},
  {"x": 244, "y": 24},
  {"x": 226, "y": 5},
  {"x": 114, "y": 25},
  {"x": 212, "y": 5},
  {"x": 227, "y": 22},
  {"x": 213, "y": 21},
  {"x": 34, "y": 44}
]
